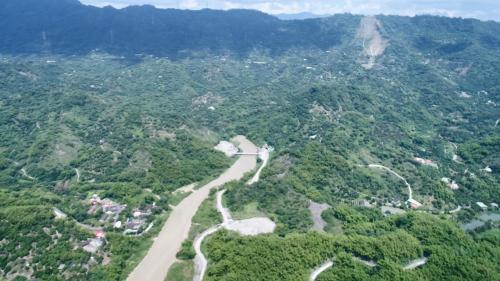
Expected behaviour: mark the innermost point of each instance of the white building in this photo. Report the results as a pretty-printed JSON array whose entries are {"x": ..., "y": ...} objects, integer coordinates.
[
  {"x": 414, "y": 204},
  {"x": 482, "y": 205},
  {"x": 488, "y": 169}
]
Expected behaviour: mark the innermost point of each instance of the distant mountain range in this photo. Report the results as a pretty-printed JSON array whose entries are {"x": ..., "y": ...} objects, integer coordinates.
[{"x": 69, "y": 27}]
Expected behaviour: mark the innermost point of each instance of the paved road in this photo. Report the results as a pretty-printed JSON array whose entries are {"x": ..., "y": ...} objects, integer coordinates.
[{"x": 161, "y": 255}]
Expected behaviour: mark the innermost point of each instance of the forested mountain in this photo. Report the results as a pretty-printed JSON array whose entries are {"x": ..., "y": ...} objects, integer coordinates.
[
  {"x": 106, "y": 113},
  {"x": 69, "y": 27}
]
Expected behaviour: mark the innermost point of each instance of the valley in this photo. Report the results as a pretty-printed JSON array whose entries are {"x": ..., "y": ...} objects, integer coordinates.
[
  {"x": 368, "y": 148},
  {"x": 161, "y": 255}
]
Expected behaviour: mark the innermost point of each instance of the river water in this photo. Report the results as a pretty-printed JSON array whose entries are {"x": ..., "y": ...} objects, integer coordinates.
[{"x": 161, "y": 255}]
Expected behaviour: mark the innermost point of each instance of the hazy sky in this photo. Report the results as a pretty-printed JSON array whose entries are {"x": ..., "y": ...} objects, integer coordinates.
[{"x": 482, "y": 9}]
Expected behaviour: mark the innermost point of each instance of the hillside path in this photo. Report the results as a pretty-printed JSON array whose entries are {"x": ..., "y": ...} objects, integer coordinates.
[{"x": 410, "y": 191}]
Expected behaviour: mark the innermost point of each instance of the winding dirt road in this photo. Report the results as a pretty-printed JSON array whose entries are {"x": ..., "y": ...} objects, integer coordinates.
[
  {"x": 25, "y": 174},
  {"x": 77, "y": 175},
  {"x": 161, "y": 255},
  {"x": 410, "y": 191},
  {"x": 329, "y": 264},
  {"x": 253, "y": 226},
  {"x": 264, "y": 155},
  {"x": 200, "y": 261}
]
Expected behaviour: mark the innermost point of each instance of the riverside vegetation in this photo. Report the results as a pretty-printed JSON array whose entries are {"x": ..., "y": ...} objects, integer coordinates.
[{"x": 133, "y": 129}]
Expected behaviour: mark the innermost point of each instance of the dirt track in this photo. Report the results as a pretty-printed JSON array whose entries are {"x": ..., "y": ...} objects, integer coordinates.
[
  {"x": 316, "y": 210},
  {"x": 161, "y": 255},
  {"x": 369, "y": 263},
  {"x": 328, "y": 264},
  {"x": 408, "y": 186},
  {"x": 253, "y": 226},
  {"x": 264, "y": 155}
]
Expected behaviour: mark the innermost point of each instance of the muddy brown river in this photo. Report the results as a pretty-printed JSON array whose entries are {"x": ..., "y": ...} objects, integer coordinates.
[{"x": 161, "y": 255}]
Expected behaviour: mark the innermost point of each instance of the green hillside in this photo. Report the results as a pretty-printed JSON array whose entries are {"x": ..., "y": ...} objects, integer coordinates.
[{"x": 388, "y": 91}]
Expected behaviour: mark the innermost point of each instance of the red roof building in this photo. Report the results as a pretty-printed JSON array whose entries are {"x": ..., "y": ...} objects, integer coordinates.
[{"x": 100, "y": 233}]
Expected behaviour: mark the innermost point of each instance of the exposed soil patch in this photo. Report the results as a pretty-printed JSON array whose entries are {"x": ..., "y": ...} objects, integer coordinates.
[
  {"x": 66, "y": 150},
  {"x": 252, "y": 226},
  {"x": 116, "y": 156},
  {"x": 283, "y": 165},
  {"x": 164, "y": 134},
  {"x": 374, "y": 44},
  {"x": 316, "y": 210},
  {"x": 227, "y": 148}
]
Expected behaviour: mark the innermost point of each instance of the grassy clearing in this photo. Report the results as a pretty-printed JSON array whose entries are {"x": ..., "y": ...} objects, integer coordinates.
[
  {"x": 177, "y": 197},
  {"x": 181, "y": 271},
  {"x": 205, "y": 217},
  {"x": 249, "y": 211},
  {"x": 333, "y": 225}
]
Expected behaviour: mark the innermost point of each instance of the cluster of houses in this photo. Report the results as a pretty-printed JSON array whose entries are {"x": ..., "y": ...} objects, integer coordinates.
[
  {"x": 111, "y": 212},
  {"x": 138, "y": 220}
]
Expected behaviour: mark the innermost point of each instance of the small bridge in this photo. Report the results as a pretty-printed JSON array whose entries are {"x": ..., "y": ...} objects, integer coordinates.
[{"x": 241, "y": 153}]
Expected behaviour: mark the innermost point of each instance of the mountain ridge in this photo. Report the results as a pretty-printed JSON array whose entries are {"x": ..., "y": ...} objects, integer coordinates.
[
  {"x": 70, "y": 27},
  {"x": 62, "y": 26}
]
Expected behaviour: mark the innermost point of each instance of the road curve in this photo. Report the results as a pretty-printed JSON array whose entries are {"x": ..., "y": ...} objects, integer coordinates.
[
  {"x": 410, "y": 191},
  {"x": 415, "y": 263},
  {"x": 369, "y": 263},
  {"x": 328, "y": 264},
  {"x": 161, "y": 255},
  {"x": 248, "y": 227},
  {"x": 200, "y": 261}
]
